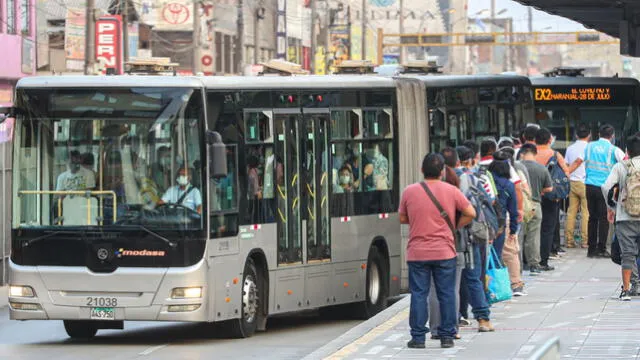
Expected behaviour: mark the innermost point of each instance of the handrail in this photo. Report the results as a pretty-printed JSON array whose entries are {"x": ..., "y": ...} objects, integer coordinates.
[
  {"x": 549, "y": 350},
  {"x": 86, "y": 193}
]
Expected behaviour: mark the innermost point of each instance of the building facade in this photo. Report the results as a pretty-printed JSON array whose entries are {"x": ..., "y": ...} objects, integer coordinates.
[{"x": 17, "y": 41}]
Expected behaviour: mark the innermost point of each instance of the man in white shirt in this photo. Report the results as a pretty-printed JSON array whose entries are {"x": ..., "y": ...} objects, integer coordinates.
[
  {"x": 184, "y": 193},
  {"x": 76, "y": 177},
  {"x": 578, "y": 195}
]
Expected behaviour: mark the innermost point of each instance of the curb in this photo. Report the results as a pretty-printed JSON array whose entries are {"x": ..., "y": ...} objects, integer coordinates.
[{"x": 359, "y": 330}]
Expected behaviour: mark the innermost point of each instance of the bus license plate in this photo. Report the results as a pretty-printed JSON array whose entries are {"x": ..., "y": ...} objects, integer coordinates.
[{"x": 103, "y": 314}]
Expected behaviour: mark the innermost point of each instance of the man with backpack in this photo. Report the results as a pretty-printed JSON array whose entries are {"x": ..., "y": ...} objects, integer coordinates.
[
  {"x": 479, "y": 234},
  {"x": 540, "y": 183},
  {"x": 599, "y": 157},
  {"x": 555, "y": 164},
  {"x": 626, "y": 175}
]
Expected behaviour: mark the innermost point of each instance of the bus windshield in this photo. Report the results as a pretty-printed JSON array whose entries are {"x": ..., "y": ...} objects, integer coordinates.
[{"x": 108, "y": 157}]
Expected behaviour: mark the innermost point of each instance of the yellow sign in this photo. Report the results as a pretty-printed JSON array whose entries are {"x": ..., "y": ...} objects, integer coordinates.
[
  {"x": 575, "y": 94},
  {"x": 320, "y": 63}
]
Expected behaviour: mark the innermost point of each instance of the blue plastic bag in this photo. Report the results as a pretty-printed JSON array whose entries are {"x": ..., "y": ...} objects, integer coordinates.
[{"x": 498, "y": 283}]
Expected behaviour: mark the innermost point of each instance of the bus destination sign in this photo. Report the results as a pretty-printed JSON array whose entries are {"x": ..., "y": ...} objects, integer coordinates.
[{"x": 574, "y": 94}]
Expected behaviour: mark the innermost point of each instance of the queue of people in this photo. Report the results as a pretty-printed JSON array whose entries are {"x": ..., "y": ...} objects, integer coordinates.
[{"x": 527, "y": 183}]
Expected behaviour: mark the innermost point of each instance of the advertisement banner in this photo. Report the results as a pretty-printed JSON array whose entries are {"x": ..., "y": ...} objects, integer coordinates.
[
  {"x": 339, "y": 44},
  {"x": 6, "y": 130},
  {"x": 109, "y": 43},
  {"x": 134, "y": 37},
  {"x": 174, "y": 15},
  {"x": 74, "y": 34}
]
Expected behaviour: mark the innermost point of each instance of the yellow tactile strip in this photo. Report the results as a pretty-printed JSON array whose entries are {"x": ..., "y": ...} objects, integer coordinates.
[{"x": 368, "y": 337}]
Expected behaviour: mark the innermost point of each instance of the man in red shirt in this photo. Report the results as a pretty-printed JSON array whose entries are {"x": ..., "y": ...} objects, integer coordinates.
[{"x": 431, "y": 250}]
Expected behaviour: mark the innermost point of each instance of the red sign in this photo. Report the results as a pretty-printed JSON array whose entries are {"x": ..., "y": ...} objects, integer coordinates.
[
  {"x": 175, "y": 13},
  {"x": 306, "y": 58},
  {"x": 109, "y": 43}
]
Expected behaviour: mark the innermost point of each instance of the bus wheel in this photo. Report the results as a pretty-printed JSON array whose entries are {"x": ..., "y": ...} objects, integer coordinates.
[
  {"x": 377, "y": 288},
  {"x": 248, "y": 322},
  {"x": 80, "y": 329}
]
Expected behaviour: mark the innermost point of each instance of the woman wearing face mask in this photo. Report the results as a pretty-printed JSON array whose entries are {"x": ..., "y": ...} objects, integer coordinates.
[
  {"x": 184, "y": 193},
  {"x": 345, "y": 180}
]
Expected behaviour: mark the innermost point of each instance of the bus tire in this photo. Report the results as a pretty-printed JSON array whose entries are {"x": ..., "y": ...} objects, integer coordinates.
[
  {"x": 80, "y": 329},
  {"x": 377, "y": 286},
  {"x": 250, "y": 308}
]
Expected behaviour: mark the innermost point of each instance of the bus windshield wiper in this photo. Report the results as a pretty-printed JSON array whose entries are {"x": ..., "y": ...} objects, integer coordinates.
[
  {"x": 26, "y": 243},
  {"x": 157, "y": 236}
]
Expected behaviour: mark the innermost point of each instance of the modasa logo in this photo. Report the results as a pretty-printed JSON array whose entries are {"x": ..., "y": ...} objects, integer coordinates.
[{"x": 124, "y": 252}]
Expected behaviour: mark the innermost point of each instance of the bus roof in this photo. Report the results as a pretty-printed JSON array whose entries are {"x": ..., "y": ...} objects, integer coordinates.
[
  {"x": 445, "y": 81},
  {"x": 573, "y": 81},
  {"x": 297, "y": 82},
  {"x": 71, "y": 81}
]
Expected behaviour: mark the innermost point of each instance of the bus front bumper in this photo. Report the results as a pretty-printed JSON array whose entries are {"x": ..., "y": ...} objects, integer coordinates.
[{"x": 75, "y": 293}]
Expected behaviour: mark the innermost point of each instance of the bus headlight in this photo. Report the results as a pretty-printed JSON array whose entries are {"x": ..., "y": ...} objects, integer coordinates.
[
  {"x": 186, "y": 293},
  {"x": 25, "y": 306},
  {"x": 21, "y": 291}
]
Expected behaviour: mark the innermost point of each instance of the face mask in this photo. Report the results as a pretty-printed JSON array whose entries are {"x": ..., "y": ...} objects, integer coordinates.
[
  {"x": 345, "y": 179},
  {"x": 182, "y": 180},
  {"x": 553, "y": 140}
]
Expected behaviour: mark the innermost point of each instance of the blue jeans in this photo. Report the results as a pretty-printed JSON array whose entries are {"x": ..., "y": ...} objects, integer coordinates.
[
  {"x": 444, "y": 276},
  {"x": 475, "y": 290}
]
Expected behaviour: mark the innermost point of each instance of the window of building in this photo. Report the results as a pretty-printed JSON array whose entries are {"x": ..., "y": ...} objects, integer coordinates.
[
  {"x": 25, "y": 17},
  {"x": 11, "y": 16},
  {"x": 228, "y": 46},
  {"x": 219, "y": 46}
]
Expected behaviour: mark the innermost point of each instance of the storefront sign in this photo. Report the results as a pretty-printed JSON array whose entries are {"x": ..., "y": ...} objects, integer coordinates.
[{"x": 109, "y": 43}]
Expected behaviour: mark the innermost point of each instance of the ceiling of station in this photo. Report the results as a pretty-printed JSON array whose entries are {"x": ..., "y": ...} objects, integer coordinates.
[{"x": 602, "y": 15}]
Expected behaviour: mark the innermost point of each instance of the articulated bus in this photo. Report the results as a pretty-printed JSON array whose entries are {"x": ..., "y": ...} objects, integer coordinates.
[
  {"x": 476, "y": 107},
  {"x": 565, "y": 99},
  {"x": 221, "y": 199},
  {"x": 224, "y": 199}
]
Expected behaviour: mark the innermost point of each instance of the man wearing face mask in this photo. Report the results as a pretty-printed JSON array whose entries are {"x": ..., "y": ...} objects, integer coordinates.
[
  {"x": 76, "y": 177},
  {"x": 184, "y": 193}
]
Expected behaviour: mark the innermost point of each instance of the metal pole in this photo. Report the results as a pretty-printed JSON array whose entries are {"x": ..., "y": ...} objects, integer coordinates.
[
  {"x": 492, "y": 29},
  {"x": 312, "y": 53},
  {"x": 256, "y": 36},
  {"x": 530, "y": 15},
  {"x": 4, "y": 214},
  {"x": 125, "y": 30},
  {"x": 195, "y": 36},
  {"x": 90, "y": 40},
  {"x": 401, "y": 28},
  {"x": 364, "y": 29},
  {"x": 239, "y": 37}
]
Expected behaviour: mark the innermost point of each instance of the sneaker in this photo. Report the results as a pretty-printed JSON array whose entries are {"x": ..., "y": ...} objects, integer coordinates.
[
  {"x": 604, "y": 254},
  {"x": 547, "y": 268},
  {"x": 535, "y": 270},
  {"x": 624, "y": 295},
  {"x": 519, "y": 291},
  {"x": 412, "y": 344},
  {"x": 464, "y": 322},
  {"x": 554, "y": 256},
  {"x": 485, "y": 326},
  {"x": 446, "y": 343},
  {"x": 560, "y": 250}
]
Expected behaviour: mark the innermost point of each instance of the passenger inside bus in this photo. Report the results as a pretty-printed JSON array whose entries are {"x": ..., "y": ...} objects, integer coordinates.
[
  {"x": 345, "y": 180},
  {"x": 76, "y": 177},
  {"x": 184, "y": 193}
]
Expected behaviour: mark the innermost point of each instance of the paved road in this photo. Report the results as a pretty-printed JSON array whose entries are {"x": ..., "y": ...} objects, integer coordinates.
[{"x": 290, "y": 337}]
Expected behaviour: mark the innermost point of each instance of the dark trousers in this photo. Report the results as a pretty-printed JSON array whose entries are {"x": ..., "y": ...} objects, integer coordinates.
[
  {"x": 550, "y": 213},
  {"x": 464, "y": 295},
  {"x": 475, "y": 288},
  {"x": 443, "y": 273},
  {"x": 598, "y": 223}
]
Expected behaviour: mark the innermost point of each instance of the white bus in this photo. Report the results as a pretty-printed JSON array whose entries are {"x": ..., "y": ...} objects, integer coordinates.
[{"x": 298, "y": 178}]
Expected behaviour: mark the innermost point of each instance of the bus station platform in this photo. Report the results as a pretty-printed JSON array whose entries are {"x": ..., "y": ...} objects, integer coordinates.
[{"x": 578, "y": 303}]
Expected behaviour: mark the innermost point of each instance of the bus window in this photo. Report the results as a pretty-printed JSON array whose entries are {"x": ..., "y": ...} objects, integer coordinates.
[
  {"x": 377, "y": 123},
  {"x": 345, "y": 124}
]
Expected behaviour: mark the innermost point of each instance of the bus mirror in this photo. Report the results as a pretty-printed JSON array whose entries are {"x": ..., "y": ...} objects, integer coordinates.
[{"x": 217, "y": 155}]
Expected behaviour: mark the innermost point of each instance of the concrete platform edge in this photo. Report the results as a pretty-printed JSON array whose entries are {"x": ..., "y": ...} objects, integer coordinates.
[{"x": 359, "y": 330}]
